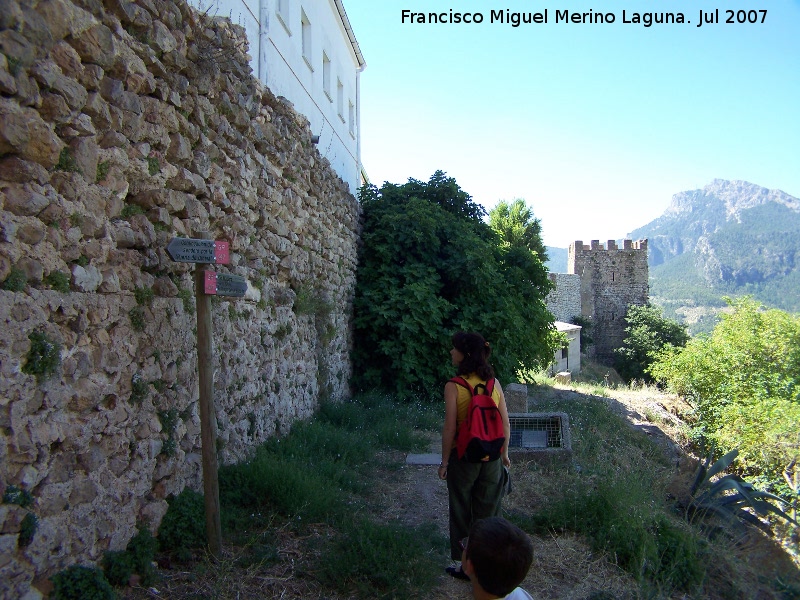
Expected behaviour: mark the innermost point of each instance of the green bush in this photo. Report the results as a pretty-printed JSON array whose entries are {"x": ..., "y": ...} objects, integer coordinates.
[
  {"x": 183, "y": 527},
  {"x": 430, "y": 266},
  {"x": 118, "y": 567},
  {"x": 15, "y": 495},
  {"x": 81, "y": 583},
  {"x": 137, "y": 557},
  {"x": 142, "y": 548},
  {"x": 743, "y": 381},
  {"x": 16, "y": 280},
  {"x": 58, "y": 281},
  {"x": 44, "y": 356},
  {"x": 27, "y": 529},
  {"x": 647, "y": 333}
]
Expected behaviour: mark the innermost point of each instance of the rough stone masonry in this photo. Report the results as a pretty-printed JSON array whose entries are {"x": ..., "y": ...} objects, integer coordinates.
[{"x": 123, "y": 125}]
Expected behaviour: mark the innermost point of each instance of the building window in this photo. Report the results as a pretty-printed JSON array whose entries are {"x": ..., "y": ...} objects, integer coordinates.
[
  {"x": 282, "y": 10},
  {"x": 340, "y": 98},
  {"x": 306, "y": 35},
  {"x": 351, "y": 116},
  {"x": 326, "y": 76},
  {"x": 565, "y": 352}
]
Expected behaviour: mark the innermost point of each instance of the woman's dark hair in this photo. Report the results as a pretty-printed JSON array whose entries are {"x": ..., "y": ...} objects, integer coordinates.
[
  {"x": 476, "y": 351},
  {"x": 501, "y": 554}
]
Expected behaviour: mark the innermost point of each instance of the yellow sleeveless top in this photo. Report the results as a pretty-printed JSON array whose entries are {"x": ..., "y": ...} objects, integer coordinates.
[{"x": 463, "y": 398}]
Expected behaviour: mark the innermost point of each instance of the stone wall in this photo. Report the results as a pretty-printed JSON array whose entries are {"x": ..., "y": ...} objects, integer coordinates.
[
  {"x": 564, "y": 300},
  {"x": 123, "y": 125},
  {"x": 612, "y": 279}
]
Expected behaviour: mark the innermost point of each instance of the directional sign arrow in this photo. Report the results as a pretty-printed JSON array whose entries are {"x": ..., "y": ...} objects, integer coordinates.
[
  {"x": 199, "y": 251},
  {"x": 223, "y": 284},
  {"x": 231, "y": 285}
]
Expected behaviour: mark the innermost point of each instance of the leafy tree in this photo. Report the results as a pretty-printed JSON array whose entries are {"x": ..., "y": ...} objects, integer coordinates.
[
  {"x": 517, "y": 227},
  {"x": 744, "y": 383},
  {"x": 648, "y": 332},
  {"x": 430, "y": 266},
  {"x": 585, "y": 324}
]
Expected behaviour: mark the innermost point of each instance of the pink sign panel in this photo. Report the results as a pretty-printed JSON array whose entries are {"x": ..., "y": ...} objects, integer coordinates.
[
  {"x": 210, "y": 283},
  {"x": 221, "y": 252}
]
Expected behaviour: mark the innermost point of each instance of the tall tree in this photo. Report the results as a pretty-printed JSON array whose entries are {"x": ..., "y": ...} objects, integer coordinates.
[
  {"x": 647, "y": 333},
  {"x": 515, "y": 224},
  {"x": 429, "y": 266}
]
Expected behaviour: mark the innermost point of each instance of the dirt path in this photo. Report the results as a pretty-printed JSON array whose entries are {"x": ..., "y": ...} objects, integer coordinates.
[{"x": 564, "y": 567}]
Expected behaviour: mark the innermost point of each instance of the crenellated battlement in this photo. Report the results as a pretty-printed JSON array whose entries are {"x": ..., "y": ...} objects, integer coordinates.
[{"x": 595, "y": 245}]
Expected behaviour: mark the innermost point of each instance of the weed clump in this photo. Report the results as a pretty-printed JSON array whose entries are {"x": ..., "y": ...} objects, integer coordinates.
[
  {"x": 27, "y": 530},
  {"x": 66, "y": 162},
  {"x": 144, "y": 296},
  {"x": 16, "y": 280},
  {"x": 136, "y": 315},
  {"x": 139, "y": 389},
  {"x": 44, "y": 357},
  {"x": 15, "y": 495},
  {"x": 58, "y": 280}
]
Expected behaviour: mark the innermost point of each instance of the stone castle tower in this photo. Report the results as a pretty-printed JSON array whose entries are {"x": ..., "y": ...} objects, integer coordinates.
[{"x": 611, "y": 279}]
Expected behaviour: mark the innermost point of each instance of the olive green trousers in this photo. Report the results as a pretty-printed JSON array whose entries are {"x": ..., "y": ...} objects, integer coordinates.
[{"x": 475, "y": 491}]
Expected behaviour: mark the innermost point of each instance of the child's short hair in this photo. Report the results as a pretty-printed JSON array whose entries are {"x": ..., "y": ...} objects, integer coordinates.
[{"x": 501, "y": 554}]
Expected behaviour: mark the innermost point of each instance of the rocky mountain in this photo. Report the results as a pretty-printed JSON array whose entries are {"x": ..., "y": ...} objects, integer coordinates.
[
  {"x": 729, "y": 238},
  {"x": 694, "y": 217}
]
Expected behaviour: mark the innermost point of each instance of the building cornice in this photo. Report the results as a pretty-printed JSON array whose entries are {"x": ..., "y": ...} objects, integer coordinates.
[{"x": 362, "y": 64}]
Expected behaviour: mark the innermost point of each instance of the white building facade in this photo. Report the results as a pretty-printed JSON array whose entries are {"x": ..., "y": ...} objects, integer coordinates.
[
  {"x": 568, "y": 357},
  {"x": 306, "y": 51}
]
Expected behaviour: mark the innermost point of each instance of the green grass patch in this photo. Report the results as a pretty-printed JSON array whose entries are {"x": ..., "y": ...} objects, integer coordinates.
[
  {"x": 320, "y": 473},
  {"x": 383, "y": 560},
  {"x": 130, "y": 210}
]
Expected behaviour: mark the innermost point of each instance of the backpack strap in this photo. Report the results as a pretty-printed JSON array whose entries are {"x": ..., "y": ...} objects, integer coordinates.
[
  {"x": 463, "y": 383},
  {"x": 489, "y": 387}
]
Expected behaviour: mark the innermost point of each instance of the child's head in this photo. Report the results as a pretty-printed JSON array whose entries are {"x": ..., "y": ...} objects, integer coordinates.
[{"x": 498, "y": 554}]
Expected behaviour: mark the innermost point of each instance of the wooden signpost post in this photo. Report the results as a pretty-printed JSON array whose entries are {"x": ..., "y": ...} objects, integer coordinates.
[{"x": 203, "y": 252}]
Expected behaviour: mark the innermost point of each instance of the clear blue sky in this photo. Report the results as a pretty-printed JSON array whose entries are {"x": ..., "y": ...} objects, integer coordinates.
[{"x": 596, "y": 126}]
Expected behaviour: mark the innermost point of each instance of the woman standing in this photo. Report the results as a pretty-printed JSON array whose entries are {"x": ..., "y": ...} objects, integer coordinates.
[{"x": 474, "y": 489}]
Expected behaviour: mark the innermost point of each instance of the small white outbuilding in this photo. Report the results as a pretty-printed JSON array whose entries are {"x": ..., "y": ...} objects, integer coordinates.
[{"x": 568, "y": 357}]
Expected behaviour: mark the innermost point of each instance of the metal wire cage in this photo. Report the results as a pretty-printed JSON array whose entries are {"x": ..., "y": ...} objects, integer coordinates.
[{"x": 539, "y": 433}]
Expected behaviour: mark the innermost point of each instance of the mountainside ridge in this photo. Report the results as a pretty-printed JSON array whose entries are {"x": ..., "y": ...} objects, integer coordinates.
[
  {"x": 695, "y": 214},
  {"x": 729, "y": 238}
]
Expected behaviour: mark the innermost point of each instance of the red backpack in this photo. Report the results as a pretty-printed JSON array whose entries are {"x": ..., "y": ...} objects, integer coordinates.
[{"x": 481, "y": 436}]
